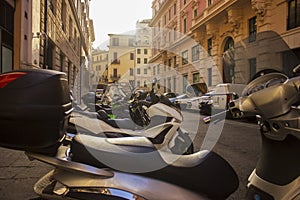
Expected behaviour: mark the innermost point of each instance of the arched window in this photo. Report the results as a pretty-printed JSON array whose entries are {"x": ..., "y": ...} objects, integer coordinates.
[{"x": 228, "y": 61}]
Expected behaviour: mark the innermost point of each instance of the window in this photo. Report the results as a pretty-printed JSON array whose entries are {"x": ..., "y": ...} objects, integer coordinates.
[
  {"x": 196, "y": 53},
  {"x": 138, "y": 60},
  {"x": 169, "y": 84},
  {"x": 52, "y": 6},
  {"x": 115, "y": 42},
  {"x": 184, "y": 82},
  {"x": 63, "y": 15},
  {"x": 158, "y": 69},
  {"x": 115, "y": 56},
  {"x": 293, "y": 14},
  {"x": 131, "y": 56},
  {"x": 252, "y": 29},
  {"x": 209, "y": 2},
  {"x": 62, "y": 60},
  {"x": 154, "y": 68},
  {"x": 184, "y": 25},
  {"x": 115, "y": 73},
  {"x": 145, "y": 51},
  {"x": 145, "y": 71},
  {"x": 209, "y": 46},
  {"x": 174, "y": 83},
  {"x": 252, "y": 67},
  {"x": 98, "y": 68},
  {"x": 70, "y": 29},
  {"x": 195, "y": 13},
  {"x": 174, "y": 34},
  {"x": 184, "y": 2},
  {"x": 175, "y": 63},
  {"x": 196, "y": 78},
  {"x": 138, "y": 51},
  {"x": 145, "y": 60},
  {"x": 185, "y": 57},
  {"x": 130, "y": 42},
  {"x": 138, "y": 71},
  {"x": 209, "y": 77},
  {"x": 174, "y": 9},
  {"x": 130, "y": 72}
]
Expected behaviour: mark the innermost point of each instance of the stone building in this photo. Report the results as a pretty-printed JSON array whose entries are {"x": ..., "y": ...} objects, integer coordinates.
[
  {"x": 175, "y": 54},
  {"x": 218, "y": 41},
  {"x": 121, "y": 57},
  {"x": 47, "y": 34},
  {"x": 127, "y": 57},
  {"x": 7, "y": 35},
  {"x": 100, "y": 65},
  {"x": 143, "y": 53}
]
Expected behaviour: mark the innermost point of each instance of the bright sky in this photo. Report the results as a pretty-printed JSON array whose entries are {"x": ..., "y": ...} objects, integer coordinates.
[{"x": 117, "y": 17}]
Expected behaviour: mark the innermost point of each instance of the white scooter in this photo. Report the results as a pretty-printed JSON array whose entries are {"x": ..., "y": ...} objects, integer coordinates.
[
  {"x": 275, "y": 99},
  {"x": 91, "y": 167},
  {"x": 152, "y": 116}
]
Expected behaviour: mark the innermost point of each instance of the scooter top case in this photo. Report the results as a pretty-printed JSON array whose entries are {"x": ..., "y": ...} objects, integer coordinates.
[{"x": 34, "y": 109}]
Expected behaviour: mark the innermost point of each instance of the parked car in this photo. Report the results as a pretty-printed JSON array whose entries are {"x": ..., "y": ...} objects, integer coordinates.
[
  {"x": 193, "y": 103},
  {"x": 193, "y": 91},
  {"x": 224, "y": 93},
  {"x": 205, "y": 103}
]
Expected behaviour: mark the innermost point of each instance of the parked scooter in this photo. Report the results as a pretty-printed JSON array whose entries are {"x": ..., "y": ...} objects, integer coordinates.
[
  {"x": 151, "y": 115},
  {"x": 274, "y": 99},
  {"x": 90, "y": 167}
]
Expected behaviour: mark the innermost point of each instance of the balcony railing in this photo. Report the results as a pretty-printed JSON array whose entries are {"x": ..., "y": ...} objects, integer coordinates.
[
  {"x": 115, "y": 61},
  {"x": 115, "y": 77}
]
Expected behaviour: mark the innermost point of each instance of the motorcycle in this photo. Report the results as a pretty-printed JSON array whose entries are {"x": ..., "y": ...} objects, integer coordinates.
[{"x": 91, "y": 167}]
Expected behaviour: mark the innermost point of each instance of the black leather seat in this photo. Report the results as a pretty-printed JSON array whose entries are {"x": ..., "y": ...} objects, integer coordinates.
[{"x": 203, "y": 172}]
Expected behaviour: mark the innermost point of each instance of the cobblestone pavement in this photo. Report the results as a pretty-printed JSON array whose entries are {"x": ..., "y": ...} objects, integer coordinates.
[{"x": 18, "y": 175}]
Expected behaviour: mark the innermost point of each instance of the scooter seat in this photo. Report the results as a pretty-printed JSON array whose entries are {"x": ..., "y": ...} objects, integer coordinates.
[{"x": 203, "y": 172}]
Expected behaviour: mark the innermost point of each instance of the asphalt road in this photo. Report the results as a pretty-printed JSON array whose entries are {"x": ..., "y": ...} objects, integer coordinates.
[{"x": 238, "y": 142}]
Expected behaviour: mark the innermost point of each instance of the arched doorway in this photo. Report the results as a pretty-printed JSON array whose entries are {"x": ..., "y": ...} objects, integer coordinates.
[{"x": 228, "y": 61}]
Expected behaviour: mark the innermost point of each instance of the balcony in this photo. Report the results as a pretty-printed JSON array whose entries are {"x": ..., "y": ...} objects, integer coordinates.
[
  {"x": 115, "y": 77},
  {"x": 115, "y": 61},
  {"x": 211, "y": 11}
]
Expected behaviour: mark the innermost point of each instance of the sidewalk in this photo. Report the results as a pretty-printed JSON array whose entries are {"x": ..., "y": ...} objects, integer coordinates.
[{"x": 18, "y": 175}]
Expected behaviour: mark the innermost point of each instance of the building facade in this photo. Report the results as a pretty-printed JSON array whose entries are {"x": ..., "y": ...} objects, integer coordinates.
[
  {"x": 224, "y": 40},
  {"x": 121, "y": 58},
  {"x": 143, "y": 53},
  {"x": 175, "y": 54},
  {"x": 7, "y": 35},
  {"x": 127, "y": 57},
  {"x": 47, "y": 34},
  {"x": 100, "y": 65}
]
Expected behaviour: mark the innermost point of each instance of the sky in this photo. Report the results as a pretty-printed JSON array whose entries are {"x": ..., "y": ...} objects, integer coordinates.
[{"x": 117, "y": 17}]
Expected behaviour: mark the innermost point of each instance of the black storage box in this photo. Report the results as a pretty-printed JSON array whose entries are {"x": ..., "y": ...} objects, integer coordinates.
[{"x": 34, "y": 110}]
